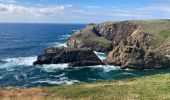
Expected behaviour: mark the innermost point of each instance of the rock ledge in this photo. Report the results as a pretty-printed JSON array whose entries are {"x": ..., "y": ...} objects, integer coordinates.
[{"x": 75, "y": 57}]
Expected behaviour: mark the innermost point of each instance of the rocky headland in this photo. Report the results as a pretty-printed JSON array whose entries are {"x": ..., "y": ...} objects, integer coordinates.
[{"x": 129, "y": 44}]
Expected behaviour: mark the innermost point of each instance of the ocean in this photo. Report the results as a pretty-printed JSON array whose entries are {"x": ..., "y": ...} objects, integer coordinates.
[{"x": 21, "y": 43}]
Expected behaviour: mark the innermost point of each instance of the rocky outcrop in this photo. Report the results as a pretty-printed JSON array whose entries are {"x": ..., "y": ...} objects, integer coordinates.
[
  {"x": 137, "y": 58},
  {"x": 129, "y": 44},
  {"x": 104, "y": 37},
  {"x": 87, "y": 38},
  {"x": 75, "y": 57}
]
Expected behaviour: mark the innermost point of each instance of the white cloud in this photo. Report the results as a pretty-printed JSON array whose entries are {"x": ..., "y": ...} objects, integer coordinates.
[
  {"x": 50, "y": 10},
  {"x": 77, "y": 13},
  {"x": 8, "y": 1}
]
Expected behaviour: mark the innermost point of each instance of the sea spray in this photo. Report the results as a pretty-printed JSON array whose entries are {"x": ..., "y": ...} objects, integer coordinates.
[{"x": 26, "y": 61}]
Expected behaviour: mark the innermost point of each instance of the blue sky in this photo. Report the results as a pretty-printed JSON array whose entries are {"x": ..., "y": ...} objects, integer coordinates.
[{"x": 81, "y": 11}]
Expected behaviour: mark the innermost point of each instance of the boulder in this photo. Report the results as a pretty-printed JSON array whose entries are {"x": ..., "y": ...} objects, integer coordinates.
[{"x": 75, "y": 57}]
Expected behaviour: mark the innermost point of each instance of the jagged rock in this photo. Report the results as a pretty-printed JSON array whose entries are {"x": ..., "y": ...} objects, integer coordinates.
[
  {"x": 75, "y": 57},
  {"x": 137, "y": 58}
]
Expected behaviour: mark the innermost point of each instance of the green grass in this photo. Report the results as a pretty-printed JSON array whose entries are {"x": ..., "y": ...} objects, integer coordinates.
[
  {"x": 165, "y": 34},
  {"x": 156, "y": 87}
]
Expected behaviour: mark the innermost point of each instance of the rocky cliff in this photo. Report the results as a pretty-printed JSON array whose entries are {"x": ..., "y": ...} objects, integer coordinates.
[{"x": 130, "y": 44}]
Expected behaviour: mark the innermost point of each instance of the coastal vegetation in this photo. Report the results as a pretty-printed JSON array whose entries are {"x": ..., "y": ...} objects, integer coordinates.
[{"x": 155, "y": 87}]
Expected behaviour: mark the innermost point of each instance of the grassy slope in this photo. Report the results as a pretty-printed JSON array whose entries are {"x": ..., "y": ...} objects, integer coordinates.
[
  {"x": 160, "y": 28},
  {"x": 161, "y": 31},
  {"x": 156, "y": 87}
]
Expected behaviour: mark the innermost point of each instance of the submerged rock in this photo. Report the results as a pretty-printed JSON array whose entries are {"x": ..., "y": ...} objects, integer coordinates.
[{"x": 75, "y": 57}]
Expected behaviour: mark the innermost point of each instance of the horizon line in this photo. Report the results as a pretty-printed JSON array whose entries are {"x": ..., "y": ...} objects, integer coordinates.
[{"x": 80, "y": 23}]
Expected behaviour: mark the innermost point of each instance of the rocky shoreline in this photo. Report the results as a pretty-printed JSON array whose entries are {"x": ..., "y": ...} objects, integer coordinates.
[
  {"x": 129, "y": 44},
  {"x": 75, "y": 57}
]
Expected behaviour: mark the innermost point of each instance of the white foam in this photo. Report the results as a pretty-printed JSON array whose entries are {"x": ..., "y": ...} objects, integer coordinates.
[
  {"x": 73, "y": 30},
  {"x": 27, "y": 61},
  {"x": 61, "y": 81},
  {"x": 61, "y": 75},
  {"x": 65, "y": 36},
  {"x": 127, "y": 69},
  {"x": 99, "y": 52},
  {"x": 101, "y": 55},
  {"x": 126, "y": 73},
  {"x": 11, "y": 62},
  {"x": 56, "y": 44},
  {"x": 106, "y": 68},
  {"x": 53, "y": 67}
]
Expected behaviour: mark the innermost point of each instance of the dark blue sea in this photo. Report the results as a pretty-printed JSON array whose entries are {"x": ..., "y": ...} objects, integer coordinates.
[{"x": 21, "y": 43}]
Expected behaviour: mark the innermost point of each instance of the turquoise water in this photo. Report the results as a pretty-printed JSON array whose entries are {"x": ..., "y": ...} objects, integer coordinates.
[{"x": 21, "y": 43}]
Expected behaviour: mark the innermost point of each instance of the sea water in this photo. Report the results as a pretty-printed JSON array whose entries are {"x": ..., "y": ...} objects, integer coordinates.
[{"x": 21, "y": 43}]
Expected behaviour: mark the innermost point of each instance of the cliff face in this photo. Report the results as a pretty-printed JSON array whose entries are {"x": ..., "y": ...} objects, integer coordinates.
[
  {"x": 104, "y": 37},
  {"x": 130, "y": 44},
  {"x": 136, "y": 58}
]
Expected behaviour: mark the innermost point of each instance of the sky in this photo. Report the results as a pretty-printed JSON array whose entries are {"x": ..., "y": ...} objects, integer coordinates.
[{"x": 81, "y": 11}]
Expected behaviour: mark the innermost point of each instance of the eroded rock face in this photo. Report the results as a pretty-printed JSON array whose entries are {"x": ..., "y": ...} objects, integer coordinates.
[
  {"x": 75, "y": 57},
  {"x": 127, "y": 44},
  {"x": 103, "y": 37},
  {"x": 137, "y": 58},
  {"x": 117, "y": 32}
]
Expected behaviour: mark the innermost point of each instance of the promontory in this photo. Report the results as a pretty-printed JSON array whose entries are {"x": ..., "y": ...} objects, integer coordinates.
[{"x": 136, "y": 44}]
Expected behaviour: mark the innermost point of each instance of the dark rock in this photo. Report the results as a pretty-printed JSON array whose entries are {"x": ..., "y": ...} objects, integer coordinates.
[{"x": 75, "y": 57}]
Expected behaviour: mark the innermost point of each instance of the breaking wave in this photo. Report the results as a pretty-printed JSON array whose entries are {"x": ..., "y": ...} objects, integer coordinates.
[
  {"x": 59, "y": 44},
  {"x": 60, "y": 81},
  {"x": 53, "y": 67},
  {"x": 106, "y": 68},
  {"x": 12, "y": 62}
]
